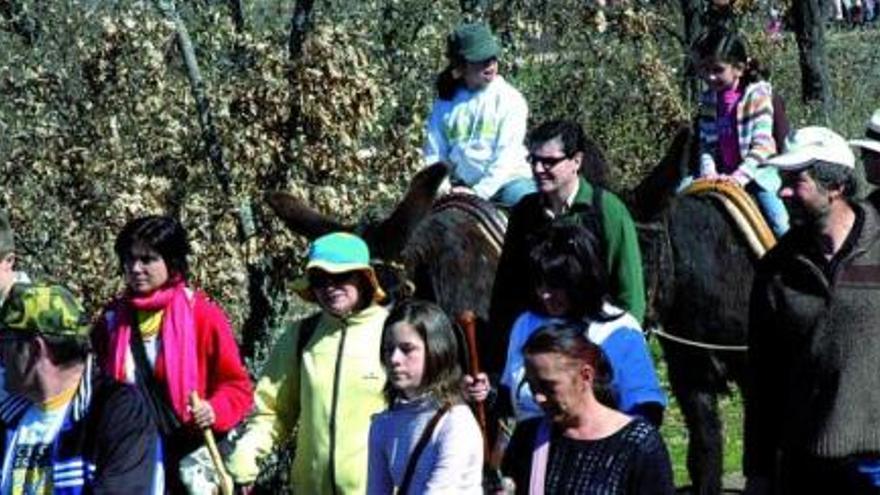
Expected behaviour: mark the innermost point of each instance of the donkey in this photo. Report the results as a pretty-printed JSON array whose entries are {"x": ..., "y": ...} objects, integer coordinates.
[
  {"x": 445, "y": 250},
  {"x": 699, "y": 273}
]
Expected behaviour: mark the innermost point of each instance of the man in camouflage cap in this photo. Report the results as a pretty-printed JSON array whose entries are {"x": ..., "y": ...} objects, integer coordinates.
[{"x": 63, "y": 426}]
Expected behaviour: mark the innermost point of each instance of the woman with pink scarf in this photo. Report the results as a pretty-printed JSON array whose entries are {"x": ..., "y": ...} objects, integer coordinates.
[{"x": 171, "y": 340}]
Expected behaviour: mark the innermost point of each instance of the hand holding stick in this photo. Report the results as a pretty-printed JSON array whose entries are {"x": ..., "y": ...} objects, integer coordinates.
[
  {"x": 226, "y": 486},
  {"x": 468, "y": 322}
]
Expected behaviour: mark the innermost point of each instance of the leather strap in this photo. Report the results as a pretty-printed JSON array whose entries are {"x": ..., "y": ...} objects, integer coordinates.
[{"x": 427, "y": 433}]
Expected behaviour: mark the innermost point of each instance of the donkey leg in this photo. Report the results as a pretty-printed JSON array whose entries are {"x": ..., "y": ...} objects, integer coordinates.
[{"x": 705, "y": 453}]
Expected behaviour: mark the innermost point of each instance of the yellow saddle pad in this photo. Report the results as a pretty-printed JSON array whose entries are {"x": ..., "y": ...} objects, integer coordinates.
[{"x": 741, "y": 208}]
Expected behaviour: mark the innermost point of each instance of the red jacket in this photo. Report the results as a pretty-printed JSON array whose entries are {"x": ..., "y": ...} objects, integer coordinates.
[{"x": 222, "y": 379}]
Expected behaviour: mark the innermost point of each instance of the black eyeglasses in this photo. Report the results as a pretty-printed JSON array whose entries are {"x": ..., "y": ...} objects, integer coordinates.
[
  {"x": 325, "y": 279},
  {"x": 547, "y": 161}
]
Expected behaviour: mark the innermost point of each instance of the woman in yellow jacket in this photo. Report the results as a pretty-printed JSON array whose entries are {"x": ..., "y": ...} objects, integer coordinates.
[{"x": 324, "y": 375}]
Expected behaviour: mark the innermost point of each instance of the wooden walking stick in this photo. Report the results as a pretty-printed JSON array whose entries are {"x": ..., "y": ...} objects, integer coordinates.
[
  {"x": 468, "y": 322},
  {"x": 492, "y": 458},
  {"x": 226, "y": 486}
]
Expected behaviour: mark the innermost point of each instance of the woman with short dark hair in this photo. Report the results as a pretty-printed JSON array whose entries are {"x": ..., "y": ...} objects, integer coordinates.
[
  {"x": 171, "y": 340},
  {"x": 569, "y": 282}
]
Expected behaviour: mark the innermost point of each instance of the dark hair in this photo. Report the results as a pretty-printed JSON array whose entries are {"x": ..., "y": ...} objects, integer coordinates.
[
  {"x": 442, "y": 371},
  {"x": 833, "y": 176},
  {"x": 728, "y": 47},
  {"x": 163, "y": 234},
  {"x": 568, "y": 257},
  {"x": 571, "y": 135},
  {"x": 570, "y": 340},
  {"x": 447, "y": 84},
  {"x": 64, "y": 351}
]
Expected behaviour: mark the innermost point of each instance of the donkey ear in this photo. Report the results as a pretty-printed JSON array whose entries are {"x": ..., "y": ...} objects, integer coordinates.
[
  {"x": 393, "y": 233},
  {"x": 654, "y": 192},
  {"x": 300, "y": 218}
]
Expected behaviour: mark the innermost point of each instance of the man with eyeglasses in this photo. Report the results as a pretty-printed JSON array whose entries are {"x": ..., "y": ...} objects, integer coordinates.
[
  {"x": 65, "y": 429},
  {"x": 558, "y": 153}
]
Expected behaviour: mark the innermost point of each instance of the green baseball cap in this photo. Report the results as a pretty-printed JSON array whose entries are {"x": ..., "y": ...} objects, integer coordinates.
[
  {"x": 43, "y": 309},
  {"x": 472, "y": 43}
]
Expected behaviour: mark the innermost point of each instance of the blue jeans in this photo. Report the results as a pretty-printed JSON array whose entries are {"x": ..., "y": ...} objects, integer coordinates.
[
  {"x": 771, "y": 206},
  {"x": 513, "y": 191}
]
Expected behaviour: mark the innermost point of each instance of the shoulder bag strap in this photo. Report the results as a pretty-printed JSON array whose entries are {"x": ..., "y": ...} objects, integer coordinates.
[
  {"x": 145, "y": 378},
  {"x": 420, "y": 446}
]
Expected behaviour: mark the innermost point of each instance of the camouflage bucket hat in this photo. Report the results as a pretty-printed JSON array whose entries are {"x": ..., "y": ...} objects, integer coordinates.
[{"x": 43, "y": 309}]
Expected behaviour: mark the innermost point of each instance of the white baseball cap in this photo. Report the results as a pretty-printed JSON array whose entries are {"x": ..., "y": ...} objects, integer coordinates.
[
  {"x": 813, "y": 144},
  {"x": 872, "y": 135}
]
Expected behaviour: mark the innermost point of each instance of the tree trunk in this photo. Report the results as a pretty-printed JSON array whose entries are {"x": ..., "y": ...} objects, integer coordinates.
[
  {"x": 237, "y": 11},
  {"x": 300, "y": 24},
  {"x": 691, "y": 11},
  {"x": 810, "y": 34},
  {"x": 209, "y": 132}
]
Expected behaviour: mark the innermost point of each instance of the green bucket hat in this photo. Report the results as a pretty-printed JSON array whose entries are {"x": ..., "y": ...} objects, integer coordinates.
[
  {"x": 472, "y": 43},
  {"x": 43, "y": 309},
  {"x": 338, "y": 252}
]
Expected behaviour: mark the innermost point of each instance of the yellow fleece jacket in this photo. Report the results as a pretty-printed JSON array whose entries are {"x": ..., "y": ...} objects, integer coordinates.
[{"x": 294, "y": 391}]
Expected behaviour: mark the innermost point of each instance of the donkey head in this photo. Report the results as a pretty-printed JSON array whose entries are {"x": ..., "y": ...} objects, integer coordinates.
[{"x": 386, "y": 239}]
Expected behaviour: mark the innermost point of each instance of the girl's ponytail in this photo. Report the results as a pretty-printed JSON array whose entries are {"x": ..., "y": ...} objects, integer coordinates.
[
  {"x": 447, "y": 84},
  {"x": 754, "y": 72}
]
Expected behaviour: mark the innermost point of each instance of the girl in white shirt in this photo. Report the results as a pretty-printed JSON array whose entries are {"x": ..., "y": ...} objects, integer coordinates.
[{"x": 420, "y": 356}]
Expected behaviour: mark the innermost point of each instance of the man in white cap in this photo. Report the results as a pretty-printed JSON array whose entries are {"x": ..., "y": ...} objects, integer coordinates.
[
  {"x": 870, "y": 148},
  {"x": 813, "y": 400}
]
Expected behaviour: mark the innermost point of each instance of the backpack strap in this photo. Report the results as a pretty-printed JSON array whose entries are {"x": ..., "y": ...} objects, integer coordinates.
[
  {"x": 306, "y": 331},
  {"x": 427, "y": 433}
]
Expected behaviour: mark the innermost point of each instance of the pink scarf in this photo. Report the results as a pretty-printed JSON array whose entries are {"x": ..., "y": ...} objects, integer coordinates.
[
  {"x": 728, "y": 134},
  {"x": 177, "y": 336}
]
